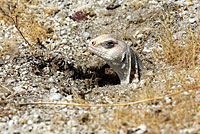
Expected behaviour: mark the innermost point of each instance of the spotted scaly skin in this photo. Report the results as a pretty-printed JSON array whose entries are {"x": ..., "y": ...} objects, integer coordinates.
[{"x": 119, "y": 56}]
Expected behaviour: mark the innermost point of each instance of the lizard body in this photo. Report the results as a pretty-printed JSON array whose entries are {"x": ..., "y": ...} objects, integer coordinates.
[{"x": 119, "y": 56}]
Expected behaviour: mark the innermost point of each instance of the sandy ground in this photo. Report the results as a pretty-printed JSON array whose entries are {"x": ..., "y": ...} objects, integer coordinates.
[{"x": 49, "y": 62}]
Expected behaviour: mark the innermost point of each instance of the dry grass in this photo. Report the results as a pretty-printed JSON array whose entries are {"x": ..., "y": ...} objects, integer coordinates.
[
  {"x": 181, "y": 72},
  {"x": 27, "y": 23},
  {"x": 180, "y": 51}
]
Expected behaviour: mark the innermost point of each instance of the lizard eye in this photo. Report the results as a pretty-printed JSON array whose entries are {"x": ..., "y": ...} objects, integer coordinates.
[
  {"x": 109, "y": 44},
  {"x": 93, "y": 43}
]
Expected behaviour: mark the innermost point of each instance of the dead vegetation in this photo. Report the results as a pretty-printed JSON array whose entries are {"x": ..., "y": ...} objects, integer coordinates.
[
  {"x": 181, "y": 51},
  {"x": 27, "y": 23},
  {"x": 180, "y": 73},
  {"x": 180, "y": 76}
]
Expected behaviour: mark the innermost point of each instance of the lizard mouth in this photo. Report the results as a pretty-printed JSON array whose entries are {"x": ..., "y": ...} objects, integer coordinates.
[{"x": 100, "y": 54}]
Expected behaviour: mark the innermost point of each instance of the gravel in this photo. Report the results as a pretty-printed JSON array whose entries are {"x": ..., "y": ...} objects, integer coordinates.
[{"x": 62, "y": 69}]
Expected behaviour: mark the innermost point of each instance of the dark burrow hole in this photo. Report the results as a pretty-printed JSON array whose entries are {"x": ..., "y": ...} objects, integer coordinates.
[{"x": 99, "y": 76}]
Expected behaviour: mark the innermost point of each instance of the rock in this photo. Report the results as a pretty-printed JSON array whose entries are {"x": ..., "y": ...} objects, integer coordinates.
[
  {"x": 187, "y": 131},
  {"x": 86, "y": 34},
  {"x": 141, "y": 129},
  {"x": 18, "y": 89},
  {"x": 1, "y": 61},
  {"x": 51, "y": 79},
  {"x": 56, "y": 97},
  {"x": 192, "y": 20},
  {"x": 168, "y": 100}
]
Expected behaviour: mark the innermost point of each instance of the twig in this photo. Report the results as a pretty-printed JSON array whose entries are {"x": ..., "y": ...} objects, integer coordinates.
[
  {"x": 5, "y": 87},
  {"x": 15, "y": 24},
  {"x": 106, "y": 105},
  {"x": 40, "y": 43}
]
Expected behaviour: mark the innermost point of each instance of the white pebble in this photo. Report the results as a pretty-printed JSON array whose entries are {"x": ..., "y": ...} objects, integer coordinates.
[
  {"x": 168, "y": 100},
  {"x": 18, "y": 89},
  {"x": 6, "y": 36},
  {"x": 187, "y": 130},
  {"x": 86, "y": 34},
  {"x": 192, "y": 20},
  {"x": 147, "y": 50},
  {"x": 62, "y": 32},
  {"x": 72, "y": 123},
  {"x": 30, "y": 122},
  {"x": 51, "y": 79},
  {"x": 186, "y": 93},
  {"x": 139, "y": 36},
  {"x": 36, "y": 116},
  {"x": 10, "y": 123},
  {"x": 128, "y": 17},
  {"x": 141, "y": 129},
  {"x": 55, "y": 97},
  {"x": 69, "y": 97}
]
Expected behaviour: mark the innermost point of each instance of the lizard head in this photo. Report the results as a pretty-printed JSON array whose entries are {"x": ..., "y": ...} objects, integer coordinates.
[{"x": 107, "y": 47}]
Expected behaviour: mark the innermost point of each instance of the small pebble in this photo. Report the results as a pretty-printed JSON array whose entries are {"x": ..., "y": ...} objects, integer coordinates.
[
  {"x": 30, "y": 122},
  {"x": 51, "y": 79},
  {"x": 1, "y": 61},
  {"x": 86, "y": 34},
  {"x": 192, "y": 20},
  {"x": 56, "y": 97},
  {"x": 168, "y": 100},
  {"x": 141, "y": 129}
]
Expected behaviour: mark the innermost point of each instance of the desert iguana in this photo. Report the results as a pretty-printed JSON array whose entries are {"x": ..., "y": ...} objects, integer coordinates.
[{"x": 119, "y": 56}]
